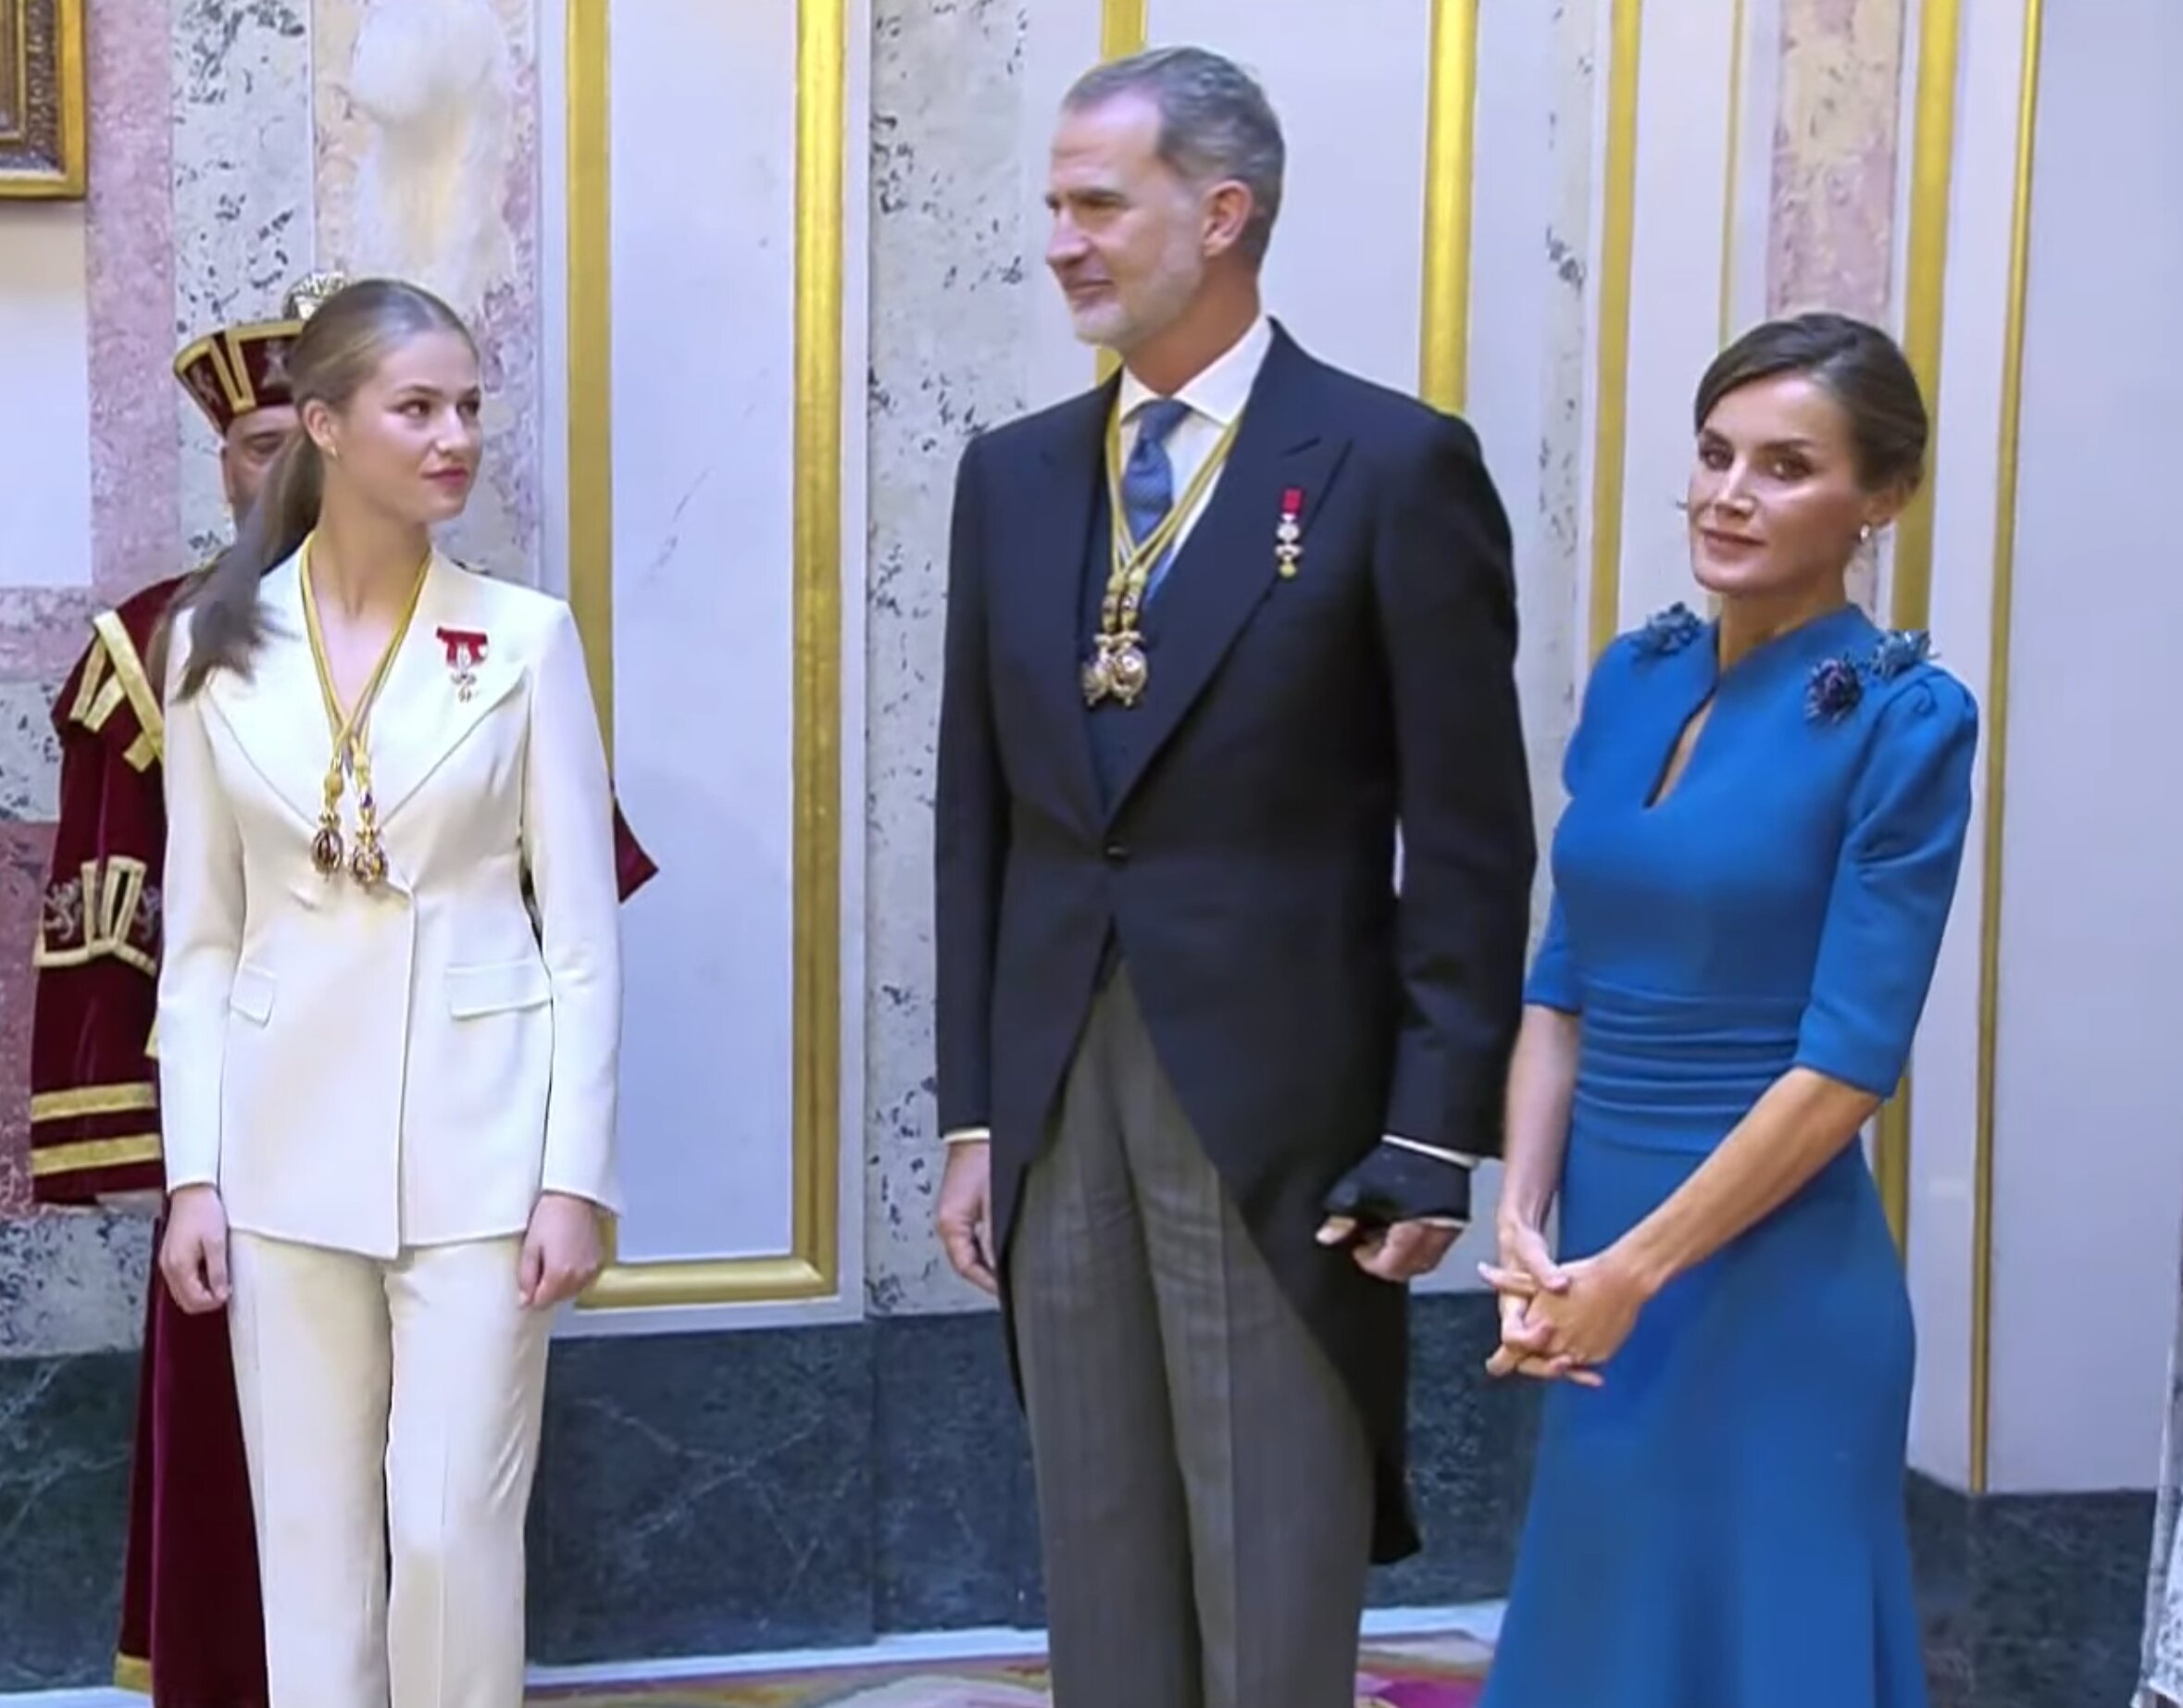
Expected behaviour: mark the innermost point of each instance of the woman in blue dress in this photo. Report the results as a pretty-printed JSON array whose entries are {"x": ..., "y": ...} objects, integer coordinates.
[{"x": 1766, "y": 820}]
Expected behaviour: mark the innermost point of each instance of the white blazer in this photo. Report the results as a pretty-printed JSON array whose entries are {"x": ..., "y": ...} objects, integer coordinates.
[{"x": 371, "y": 1070}]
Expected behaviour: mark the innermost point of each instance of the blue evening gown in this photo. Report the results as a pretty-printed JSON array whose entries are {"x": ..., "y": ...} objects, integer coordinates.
[{"x": 1722, "y": 1524}]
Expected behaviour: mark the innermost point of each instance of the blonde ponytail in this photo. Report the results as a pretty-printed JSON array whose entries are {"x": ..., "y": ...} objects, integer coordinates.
[{"x": 226, "y": 624}]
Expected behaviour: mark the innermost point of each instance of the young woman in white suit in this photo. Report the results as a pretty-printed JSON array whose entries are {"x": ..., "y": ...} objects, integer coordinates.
[{"x": 388, "y": 1091}]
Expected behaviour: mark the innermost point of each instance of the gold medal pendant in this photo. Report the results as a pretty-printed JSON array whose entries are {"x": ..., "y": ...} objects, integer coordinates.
[
  {"x": 326, "y": 847},
  {"x": 367, "y": 861},
  {"x": 1127, "y": 668},
  {"x": 1120, "y": 667},
  {"x": 1098, "y": 673},
  {"x": 327, "y": 852},
  {"x": 368, "y": 865}
]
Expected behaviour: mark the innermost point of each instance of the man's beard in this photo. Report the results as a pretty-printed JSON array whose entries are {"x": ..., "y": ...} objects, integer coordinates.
[{"x": 1121, "y": 327}]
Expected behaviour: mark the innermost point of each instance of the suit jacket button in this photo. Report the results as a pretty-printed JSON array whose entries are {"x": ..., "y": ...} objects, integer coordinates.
[{"x": 1116, "y": 852}]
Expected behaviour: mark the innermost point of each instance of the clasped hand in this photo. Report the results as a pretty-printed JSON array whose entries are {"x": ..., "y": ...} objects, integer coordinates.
[{"x": 1560, "y": 1321}]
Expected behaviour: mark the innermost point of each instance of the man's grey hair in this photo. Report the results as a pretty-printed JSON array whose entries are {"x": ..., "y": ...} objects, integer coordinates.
[{"x": 1216, "y": 123}]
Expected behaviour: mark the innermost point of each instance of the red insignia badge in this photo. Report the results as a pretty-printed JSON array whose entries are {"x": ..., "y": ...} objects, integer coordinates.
[
  {"x": 1288, "y": 536},
  {"x": 466, "y": 652}
]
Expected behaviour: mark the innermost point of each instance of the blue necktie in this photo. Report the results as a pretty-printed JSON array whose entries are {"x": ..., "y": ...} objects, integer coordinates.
[{"x": 1148, "y": 479}]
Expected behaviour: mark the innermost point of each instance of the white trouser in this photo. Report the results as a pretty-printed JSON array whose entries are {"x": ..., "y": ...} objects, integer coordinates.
[{"x": 388, "y": 1409}]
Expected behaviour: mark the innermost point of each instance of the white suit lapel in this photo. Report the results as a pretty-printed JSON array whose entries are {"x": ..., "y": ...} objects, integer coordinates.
[
  {"x": 276, "y": 714},
  {"x": 423, "y": 713}
]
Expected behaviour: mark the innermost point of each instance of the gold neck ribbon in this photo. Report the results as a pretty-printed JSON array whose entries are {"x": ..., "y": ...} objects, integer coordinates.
[
  {"x": 352, "y": 753},
  {"x": 1119, "y": 667}
]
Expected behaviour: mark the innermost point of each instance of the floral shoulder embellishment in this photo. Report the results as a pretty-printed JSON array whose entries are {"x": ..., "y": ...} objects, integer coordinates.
[
  {"x": 1669, "y": 630},
  {"x": 1898, "y": 650},
  {"x": 1837, "y": 685}
]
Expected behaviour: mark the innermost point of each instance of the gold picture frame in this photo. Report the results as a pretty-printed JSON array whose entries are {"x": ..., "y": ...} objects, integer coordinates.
[
  {"x": 811, "y": 1267},
  {"x": 43, "y": 150}
]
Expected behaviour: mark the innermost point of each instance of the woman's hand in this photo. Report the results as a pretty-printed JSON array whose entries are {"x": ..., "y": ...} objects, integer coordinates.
[
  {"x": 194, "y": 1255},
  {"x": 1526, "y": 1271},
  {"x": 1589, "y": 1322},
  {"x": 561, "y": 1252}
]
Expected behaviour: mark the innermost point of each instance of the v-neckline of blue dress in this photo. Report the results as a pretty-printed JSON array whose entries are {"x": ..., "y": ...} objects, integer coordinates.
[{"x": 1707, "y": 681}]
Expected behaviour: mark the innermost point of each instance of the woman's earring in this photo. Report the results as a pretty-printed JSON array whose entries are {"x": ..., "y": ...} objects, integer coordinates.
[{"x": 1865, "y": 534}]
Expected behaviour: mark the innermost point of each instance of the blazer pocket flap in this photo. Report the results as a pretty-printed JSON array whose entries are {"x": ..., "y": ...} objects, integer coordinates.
[
  {"x": 508, "y": 985},
  {"x": 252, "y": 994}
]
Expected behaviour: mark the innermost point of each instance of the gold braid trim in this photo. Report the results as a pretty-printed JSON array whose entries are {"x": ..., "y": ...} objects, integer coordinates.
[
  {"x": 94, "y": 672},
  {"x": 88, "y": 1100},
  {"x": 94, "y": 1154},
  {"x": 112, "y": 909},
  {"x": 144, "y": 699},
  {"x": 104, "y": 703}
]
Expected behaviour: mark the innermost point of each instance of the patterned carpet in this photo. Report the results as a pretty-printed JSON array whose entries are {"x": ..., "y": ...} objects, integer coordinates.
[{"x": 1447, "y": 1672}]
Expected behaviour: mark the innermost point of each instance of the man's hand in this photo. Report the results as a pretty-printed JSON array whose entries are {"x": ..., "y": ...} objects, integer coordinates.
[
  {"x": 965, "y": 1213},
  {"x": 1400, "y": 1251},
  {"x": 194, "y": 1255},
  {"x": 1402, "y": 1209}
]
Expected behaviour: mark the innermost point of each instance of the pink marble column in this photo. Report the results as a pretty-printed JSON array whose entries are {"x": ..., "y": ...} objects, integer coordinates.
[
  {"x": 129, "y": 275},
  {"x": 1835, "y": 142},
  {"x": 134, "y": 460},
  {"x": 1832, "y": 240},
  {"x": 129, "y": 281}
]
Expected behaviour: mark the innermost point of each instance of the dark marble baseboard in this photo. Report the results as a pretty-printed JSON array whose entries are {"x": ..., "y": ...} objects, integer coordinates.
[
  {"x": 717, "y": 1493},
  {"x": 701, "y": 1495},
  {"x": 67, "y": 1427},
  {"x": 2031, "y": 1601},
  {"x": 709, "y": 1494}
]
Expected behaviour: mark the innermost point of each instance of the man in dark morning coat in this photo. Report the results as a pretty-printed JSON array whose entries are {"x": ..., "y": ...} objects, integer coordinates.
[{"x": 1211, "y": 1074}]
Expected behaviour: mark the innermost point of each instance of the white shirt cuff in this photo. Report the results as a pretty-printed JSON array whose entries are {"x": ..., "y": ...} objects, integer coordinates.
[
  {"x": 969, "y": 1135},
  {"x": 1433, "y": 1151}
]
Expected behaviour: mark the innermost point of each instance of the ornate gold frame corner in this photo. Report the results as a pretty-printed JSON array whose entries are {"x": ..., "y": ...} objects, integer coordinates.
[{"x": 45, "y": 154}]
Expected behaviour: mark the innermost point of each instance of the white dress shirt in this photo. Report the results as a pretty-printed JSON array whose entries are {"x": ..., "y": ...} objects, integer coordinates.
[{"x": 1215, "y": 397}]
